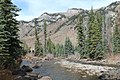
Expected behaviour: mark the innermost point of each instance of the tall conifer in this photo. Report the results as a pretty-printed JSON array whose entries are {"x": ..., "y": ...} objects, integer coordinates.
[{"x": 9, "y": 39}]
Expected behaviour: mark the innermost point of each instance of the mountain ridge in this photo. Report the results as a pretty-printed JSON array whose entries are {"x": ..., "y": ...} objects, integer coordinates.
[{"x": 62, "y": 25}]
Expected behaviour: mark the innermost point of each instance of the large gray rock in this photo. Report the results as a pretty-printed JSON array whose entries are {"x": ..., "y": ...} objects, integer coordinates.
[
  {"x": 26, "y": 68},
  {"x": 32, "y": 74},
  {"x": 48, "y": 57},
  {"x": 37, "y": 66},
  {"x": 17, "y": 77},
  {"x": 19, "y": 72},
  {"x": 110, "y": 75},
  {"x": 45, "y": 78}
]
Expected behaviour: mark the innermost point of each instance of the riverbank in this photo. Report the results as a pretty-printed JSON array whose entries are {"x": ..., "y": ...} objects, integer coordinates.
[
  {"x": 86, "y": 68},
  {"x": 52, "y": 69},
  {"x": 103, "y": 72}
]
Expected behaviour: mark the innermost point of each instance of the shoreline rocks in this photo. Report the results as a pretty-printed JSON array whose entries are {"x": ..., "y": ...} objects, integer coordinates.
[
  {"x": 36, "y": 66},
  {"x": 45, "y": 78},
  {"x": 89, "y": 69},
  {"x": 19, "y": 72},
  {"x": 26, "y": 68},
  {"x": 102, "y": 72},
  {"x": 110, "y": 75}
]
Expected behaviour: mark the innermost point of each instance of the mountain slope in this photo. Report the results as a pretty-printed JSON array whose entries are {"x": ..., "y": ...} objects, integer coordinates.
[{"x": 62, "y": 25}]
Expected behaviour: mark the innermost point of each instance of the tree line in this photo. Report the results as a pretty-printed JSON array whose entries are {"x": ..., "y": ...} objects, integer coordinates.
[
  {"x": 91, "y": 43},
  {"x": 58, "y": 50}
]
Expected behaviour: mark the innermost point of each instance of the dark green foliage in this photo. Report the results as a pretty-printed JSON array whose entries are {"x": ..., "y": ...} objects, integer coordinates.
[
  {"x": 99, "y": 48},
  {"x": 57, "y": 50},
  {"x": 62, "y": 51},
  {"x": 104, "y": 42},
  {"x": 94, "y": 35},
  {"x": 116, "y": 40},
  {"x": 38, "y": 49},
  {"x": 25, "y": 48},
  {"x": 9, "y": 39},
  {"x": 53, "y": 48},
  {"x": 50, "y": 46},
  {"x": 81, "y": 36},
  {"x": 45, "y": 37},
  {"x": 38, "y": 45},
  {"x": 69, "y": 49},
  {"x": 49, "y": 43}
]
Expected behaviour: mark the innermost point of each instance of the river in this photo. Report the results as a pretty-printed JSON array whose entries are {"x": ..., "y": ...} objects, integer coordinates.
[{"x": 56, "y": 72}]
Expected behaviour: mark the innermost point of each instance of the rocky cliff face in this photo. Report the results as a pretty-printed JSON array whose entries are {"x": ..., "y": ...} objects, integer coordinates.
[{"x": 62, "y": 25}]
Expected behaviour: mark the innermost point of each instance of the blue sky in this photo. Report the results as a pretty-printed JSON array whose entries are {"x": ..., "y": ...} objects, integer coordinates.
[{"x": 34, "y": 8}]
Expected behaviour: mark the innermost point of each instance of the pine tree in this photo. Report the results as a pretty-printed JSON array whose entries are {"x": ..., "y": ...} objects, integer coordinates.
[
  {"x": 104, "y": 41},
  {"x": 38, "y": 45},
  {"x": 81, "y": 36},
  {"x": 62, "y": 51},
  {"x": 116, "y": 40},
  {"x": 49, "y": 45},
  {"x": 25, "y": 48},
  {"x": 94, "y": 36},
  {"x": 57, "y": 49},
  {"x": 45, "y": 37},
  {"x": 52, "y": 48},
  {"x": 90, "y": 33},
  {"x": 99, "y": 48},
  {"x": 116, "y": 34},
  {"x": 69, "y": 49},
  {"x": 9, "y": 39}
]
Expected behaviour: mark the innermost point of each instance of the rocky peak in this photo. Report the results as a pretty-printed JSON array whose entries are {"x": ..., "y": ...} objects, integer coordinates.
[
  {"x": 75, "y": 10},
  {"x": 51, "y": 17},
  {"x": 23, "y": 22},
  {"x": 112, "y": 6}
]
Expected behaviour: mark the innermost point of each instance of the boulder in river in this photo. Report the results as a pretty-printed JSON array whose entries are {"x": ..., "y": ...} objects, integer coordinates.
[
  {"x": 48, "y": 57},
  {"x": 37, "y": 66},
  {"x": 45, "y": 78},
  {"x": 32, "y": 74},
  {"x": 19, "y": 72},
  {"x": 17, "y": 77},
  {"x": 110, "y": 75},
  {"x": 26, "y": 68},
  {"x": 39, "y": 76},
  {"x": 29, "y": 78}
]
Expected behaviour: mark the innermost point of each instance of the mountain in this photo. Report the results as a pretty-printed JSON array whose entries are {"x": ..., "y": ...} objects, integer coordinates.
[{"x": 62, "y": 25}]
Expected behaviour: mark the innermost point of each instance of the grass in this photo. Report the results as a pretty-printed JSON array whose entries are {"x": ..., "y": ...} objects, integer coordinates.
[{"x": 113, "y": 59}]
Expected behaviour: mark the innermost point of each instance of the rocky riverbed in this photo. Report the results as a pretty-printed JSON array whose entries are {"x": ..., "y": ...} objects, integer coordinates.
[
  {"x": 89, "y": 69},
  {"x": 58, "y": 69},
  {"x": 51, "y": 70},
  {"x": 103, "y": 72}
]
